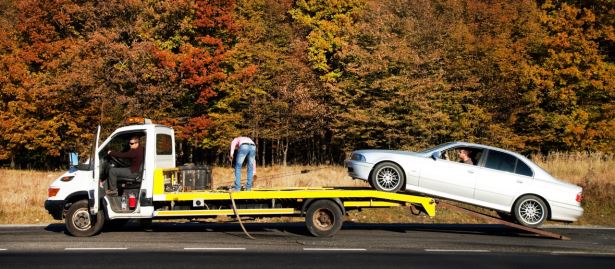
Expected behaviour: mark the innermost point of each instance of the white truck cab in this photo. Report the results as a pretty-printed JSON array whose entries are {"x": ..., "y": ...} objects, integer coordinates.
[{"x": 75, "y": 196}]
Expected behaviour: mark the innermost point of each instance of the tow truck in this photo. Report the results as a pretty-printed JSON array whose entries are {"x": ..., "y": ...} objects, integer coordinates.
[{"x": 165, "y": 191}]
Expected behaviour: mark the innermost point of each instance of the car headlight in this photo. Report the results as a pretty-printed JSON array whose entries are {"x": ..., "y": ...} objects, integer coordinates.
[{"x": 357, "y": 157}]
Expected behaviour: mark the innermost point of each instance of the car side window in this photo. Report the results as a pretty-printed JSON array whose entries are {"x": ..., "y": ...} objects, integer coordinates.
[
  {"x": 501, "y": 161},
  {"x": 454, "y": 154},
  {"x": 523, "y": 169}
]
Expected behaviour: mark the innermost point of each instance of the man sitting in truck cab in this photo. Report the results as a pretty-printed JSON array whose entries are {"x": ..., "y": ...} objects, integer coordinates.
[{"x": 135, "y": 154}]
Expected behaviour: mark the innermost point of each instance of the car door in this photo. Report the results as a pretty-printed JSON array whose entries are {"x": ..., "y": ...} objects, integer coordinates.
[
  {"x": 501, "y": 178},
  {"x": 449, "y": 176}
]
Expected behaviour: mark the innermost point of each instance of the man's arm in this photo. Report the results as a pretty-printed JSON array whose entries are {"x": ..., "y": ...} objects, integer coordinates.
[
  {"x": 131, "y": 154},
  {"x": 233, "y": 145}
]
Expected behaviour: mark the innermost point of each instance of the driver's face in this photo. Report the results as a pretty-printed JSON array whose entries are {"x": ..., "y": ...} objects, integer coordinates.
[{"x": 134, "y": 144}]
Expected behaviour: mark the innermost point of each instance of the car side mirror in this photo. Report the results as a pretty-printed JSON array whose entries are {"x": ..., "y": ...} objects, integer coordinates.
[{"x": 435, "y": 155}]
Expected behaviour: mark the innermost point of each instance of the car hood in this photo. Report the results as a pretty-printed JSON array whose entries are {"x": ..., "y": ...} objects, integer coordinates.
[{"x": 377, "y": 153}]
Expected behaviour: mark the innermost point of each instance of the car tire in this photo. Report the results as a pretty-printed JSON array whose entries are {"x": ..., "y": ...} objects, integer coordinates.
[
  {"x": 531, "y": 211},
  {"x": 323, "y": 218},
  {"x": 505, "y": 216},
  {"x": 387, "y": 176},
  {"x": 79, "y": 222}
]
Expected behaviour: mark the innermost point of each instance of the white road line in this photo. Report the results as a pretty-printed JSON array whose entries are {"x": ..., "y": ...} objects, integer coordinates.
[
  {"x": 580, "y": 253},
  {"x": 334, "y": 249},
  {"x": 456, "y": 250},
  {"x": 3, "y": 249},
  {"x": 214, "y": 248},
  {"x": 95, "y": 248}
]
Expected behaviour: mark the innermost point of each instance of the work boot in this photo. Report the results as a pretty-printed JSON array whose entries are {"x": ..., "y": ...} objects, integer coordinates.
[{"x": 110, "y": 193}]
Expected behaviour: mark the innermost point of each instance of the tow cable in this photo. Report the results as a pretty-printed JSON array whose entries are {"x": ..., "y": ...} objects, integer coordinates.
[{"x": 230, "y": 193}]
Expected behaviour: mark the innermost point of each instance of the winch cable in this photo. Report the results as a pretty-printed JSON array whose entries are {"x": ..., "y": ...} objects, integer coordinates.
[
  {"x": 287, "y": 174},
  {"x": 230, "y": 193}
]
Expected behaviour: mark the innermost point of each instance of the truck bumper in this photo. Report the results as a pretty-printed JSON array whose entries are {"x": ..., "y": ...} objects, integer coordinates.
[{"x": 55, "y": 208}]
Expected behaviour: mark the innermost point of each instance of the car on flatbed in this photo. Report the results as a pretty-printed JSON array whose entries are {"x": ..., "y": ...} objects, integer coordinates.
[{"x": 489, "y": 177}]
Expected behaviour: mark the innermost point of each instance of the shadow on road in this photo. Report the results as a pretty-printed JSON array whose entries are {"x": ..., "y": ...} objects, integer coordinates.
[{"x": 299, "y": 229}]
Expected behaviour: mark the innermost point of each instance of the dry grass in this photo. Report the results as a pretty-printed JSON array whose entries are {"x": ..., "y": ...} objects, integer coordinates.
[
  {"x": 290, "y": 177},
  {"x": 24, "y": 192},
  {"x": 23, "y": 195},
  {"x": 580, "y": 167}
]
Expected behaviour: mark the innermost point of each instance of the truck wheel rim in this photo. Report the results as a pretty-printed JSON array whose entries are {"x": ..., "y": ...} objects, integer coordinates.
[
  {"x": 82, "y": 219},
  {"x": 323, "y": 219},
  {"x": 388, "y": 178},
  {"x": 531, "y": 211}
]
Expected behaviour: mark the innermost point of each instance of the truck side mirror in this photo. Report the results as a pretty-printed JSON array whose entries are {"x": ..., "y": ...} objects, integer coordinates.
[
  {"x": 73, "y": 161},
  {"x": 435, "y": 155}
]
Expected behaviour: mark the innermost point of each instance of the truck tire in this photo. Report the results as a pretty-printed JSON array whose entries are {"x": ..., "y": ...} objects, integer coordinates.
[
  {"x": 80, "y": 223},
  {"x": 323, "y": 218}
]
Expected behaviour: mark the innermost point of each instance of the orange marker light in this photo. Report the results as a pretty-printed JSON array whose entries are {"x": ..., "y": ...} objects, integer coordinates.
[{"x": 51, "y": 192}]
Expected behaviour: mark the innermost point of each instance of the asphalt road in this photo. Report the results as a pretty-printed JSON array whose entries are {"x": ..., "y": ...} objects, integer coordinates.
[{"x": 288, "y": 245}]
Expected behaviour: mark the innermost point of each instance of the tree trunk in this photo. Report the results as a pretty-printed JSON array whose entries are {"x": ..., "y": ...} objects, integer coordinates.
[
  {"x": 285, "y": 151},
  {"x": 263, "y": 150}
]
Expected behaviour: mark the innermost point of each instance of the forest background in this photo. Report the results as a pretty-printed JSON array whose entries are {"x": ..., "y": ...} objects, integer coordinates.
[{"x": 308, "y": 80}]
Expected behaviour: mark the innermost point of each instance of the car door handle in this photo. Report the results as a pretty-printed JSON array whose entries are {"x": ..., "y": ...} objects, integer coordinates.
[
  {"x": 519, "y": 181},
  {"x": 471, "y": 171}
]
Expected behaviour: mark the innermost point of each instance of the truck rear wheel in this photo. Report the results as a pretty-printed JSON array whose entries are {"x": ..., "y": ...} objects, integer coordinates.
[
  {"x": 323, "y": 218},
  {"x": 79, "y": 222}
]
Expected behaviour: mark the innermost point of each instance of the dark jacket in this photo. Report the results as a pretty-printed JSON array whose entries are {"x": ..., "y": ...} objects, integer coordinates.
[{"x": 135, "y": 156}]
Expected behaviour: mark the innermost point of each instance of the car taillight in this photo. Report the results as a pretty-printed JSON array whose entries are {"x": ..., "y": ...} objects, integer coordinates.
[
  {"x": 51, "y": 192},
  {"x": 579, "y": 197}
]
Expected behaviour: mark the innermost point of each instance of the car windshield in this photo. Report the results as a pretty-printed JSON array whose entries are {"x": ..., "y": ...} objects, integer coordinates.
[{"x": 427, "y": 150}]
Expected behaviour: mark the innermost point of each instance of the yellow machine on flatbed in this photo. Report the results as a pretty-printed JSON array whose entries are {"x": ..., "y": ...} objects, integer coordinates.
[{"x": 165, "y": 191}]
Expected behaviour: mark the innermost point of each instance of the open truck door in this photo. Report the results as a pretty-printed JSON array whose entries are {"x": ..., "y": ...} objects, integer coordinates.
[{"x": 94, "y": 191}]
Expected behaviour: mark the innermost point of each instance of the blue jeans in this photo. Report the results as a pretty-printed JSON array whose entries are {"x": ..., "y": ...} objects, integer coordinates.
[{"x": 245, "y": 150}]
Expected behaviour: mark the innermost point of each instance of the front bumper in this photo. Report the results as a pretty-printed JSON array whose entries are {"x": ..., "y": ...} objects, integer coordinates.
[
  {"x": 358, "y": 169},
  {"x": 55, "y": 208}
]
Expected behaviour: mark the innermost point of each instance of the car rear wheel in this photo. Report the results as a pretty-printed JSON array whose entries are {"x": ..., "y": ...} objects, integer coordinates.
[
  {"x": 387, "y": 177},
  {"x": 531, "y": 211}
]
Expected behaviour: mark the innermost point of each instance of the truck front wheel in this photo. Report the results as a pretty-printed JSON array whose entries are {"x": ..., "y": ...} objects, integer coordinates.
[
  {"x": 323, "y": 218},
  {"x": 79, "y": 222}
]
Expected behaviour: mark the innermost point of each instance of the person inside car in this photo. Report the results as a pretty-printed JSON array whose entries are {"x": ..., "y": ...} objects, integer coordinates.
[{"x": 464, "y": 154}]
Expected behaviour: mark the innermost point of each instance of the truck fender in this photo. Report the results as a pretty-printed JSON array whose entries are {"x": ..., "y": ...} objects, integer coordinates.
[{"x": 308, "y": 202}]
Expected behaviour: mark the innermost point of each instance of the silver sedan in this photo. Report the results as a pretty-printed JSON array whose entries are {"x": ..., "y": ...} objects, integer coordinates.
[{"x": 476, "y": 174}]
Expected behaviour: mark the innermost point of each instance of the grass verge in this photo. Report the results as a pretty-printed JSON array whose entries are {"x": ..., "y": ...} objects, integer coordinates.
[{"x": 24, "y": 192}]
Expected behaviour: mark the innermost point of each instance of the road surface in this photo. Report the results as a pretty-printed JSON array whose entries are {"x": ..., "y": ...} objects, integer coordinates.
[{"x": 288, "y": 245}]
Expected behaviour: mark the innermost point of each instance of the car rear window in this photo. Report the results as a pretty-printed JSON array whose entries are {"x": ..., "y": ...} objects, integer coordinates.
[
  {"x": 501, "y": 161},
  {"x": 523, "y": 169}
]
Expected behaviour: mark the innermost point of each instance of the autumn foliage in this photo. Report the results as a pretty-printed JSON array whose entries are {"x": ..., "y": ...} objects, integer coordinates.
[{"x": 308, "y": 80}]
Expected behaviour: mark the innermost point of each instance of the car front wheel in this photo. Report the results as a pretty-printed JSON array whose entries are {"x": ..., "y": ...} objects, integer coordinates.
[
  {"x": 531, "y": 211},
  {"x": 387, "y": 177}
]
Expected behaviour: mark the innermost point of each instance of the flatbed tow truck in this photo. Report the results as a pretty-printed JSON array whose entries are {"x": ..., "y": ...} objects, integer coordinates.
[{"x": 164, "y": 191}]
